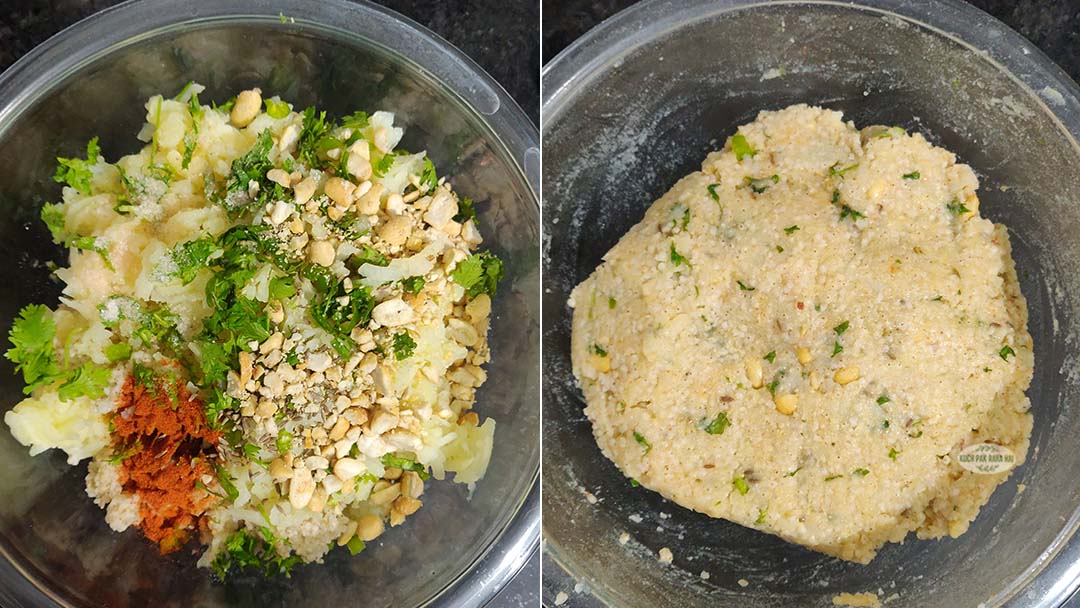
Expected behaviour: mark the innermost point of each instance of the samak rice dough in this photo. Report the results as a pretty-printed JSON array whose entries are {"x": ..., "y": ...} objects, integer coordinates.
[{"x": 803, "y": 340}]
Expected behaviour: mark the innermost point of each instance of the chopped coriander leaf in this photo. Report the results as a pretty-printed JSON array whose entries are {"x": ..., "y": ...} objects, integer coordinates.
[
  {"x": 31, "y": 337},
  {"x": 293, "y": 358},
  {"x": 428, "y": 176},
  {"x": 466, "y": 210},
  {"x": 860, "y": 472},
  {"x": 403, "y": 346},
  {"x": 793, "y": 473},
  {"x": 834, "y": 171},
  {"x": 741, "y": 147},
  {"x": 413, "y": 285},
  {"x": 685, "y": 222},
  {"x": 336, "y": 311},
  {"x": 744, "y": 286},
  {"x": 775, "y": 384},
  {"x": 915, "y": 435},
  {"x": 87, "y": 380},
  {"x": 192, "y": 256},
  {"x": 836, "y": 349},
  {"x": 244, "y": 549},
  {"x": 640, "y": 439},
  {"x": 94, "y": 244},
  {"x": 356, "y": 121},
  {"x": 405, "y": 464},
  {"x": 598, "y": 350},
  {"x": 369, "y": 255},
  {"x": 383, "y": 165},
  {"x": 741, "y": 486},
  {"x": 841, "y": 328},
  {"x": 718, "y": 425},
  {"x": 117, "y": 352},
  {"x": 479, "y": 273},
  {"x": 779, "y": 249},
  {"x": 355, "y": 545},
  {"x": 882, "y": 400},
  {"x": 936, "y": 299},
  {"x": 832, "y": 477},
  {"x": 635, "y": 483},
  {"x": 315, "y": 128},
  {"x": 771, "y": 356},
  {"x": 761, "y": 513},
  {"x": 277, "y": 109},
  {"x": 281, "y": 288},
  {"x": 611, "y": 303},
  {"x": 53, "y": 217},
  {"x": 712, "y": 192},
  {"x": 846, "y": 212},
  {"x": 835, "y": 196},
  {"x": 912, "y": 175},
  {"x": 75, "y": 172},
  {"x": 677, "y": 258},
  {"x": 957, "y": 208},
  {"x": 885, "y": 424},
  {"x": 1005, "y": 352},
  {"x": 761, "y": 184},
  {"x": 893, "y": 453},
  {"x": 791, "y": 229}
]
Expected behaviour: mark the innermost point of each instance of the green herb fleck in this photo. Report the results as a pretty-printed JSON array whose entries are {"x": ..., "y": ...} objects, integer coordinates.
[
  {"x": 836, "y": 349},
  {"x": 846, "y": 212},
  {"x": 770, "y": 357},
  {"x": 761, "y": 184},
  {"x": 635, "y": 483},
  {"x": 75, "y": 172},
  {"x": 882, "y": 400},
  {"x": 611, "y": 303},
  {"x": 743, "y": 286},
  {"x": 598, "y": 350},
  {"x": 403, "y": 345},
  {"x": 860, "y": 472},
  {"x": 712, "y": 192},
  {"x": 677, "y": 258},
  {"x": 283, "y": 443},
  {"x": 413, "y": 285},
  {"x": 718, "y": 425},
  {"x": 761, "y": 513},
  {"x": 836, "y": 172},
  {"x": 1005, "y": 352},
  {"x": 912, "y": 175},
  {"x": 893, "y": 453},
  {"x": 791, "y": 229},
  {"x": 405, "y": 464},
  {"x": 841, "y": 328},
  {"x": 640, "y": 439},
  {"x": 793, "y": 473},
  {"x": 479, "y": 273},
  {"x": 832, "y": 477},
  {"x": 956, "y": 207},
  {"x": 245, "y": 550}
]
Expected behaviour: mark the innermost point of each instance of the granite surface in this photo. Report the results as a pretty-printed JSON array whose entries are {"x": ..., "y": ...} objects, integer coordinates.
[
  {"x": 500, "y": 35},
  {"x": 1052, "y": 25}
]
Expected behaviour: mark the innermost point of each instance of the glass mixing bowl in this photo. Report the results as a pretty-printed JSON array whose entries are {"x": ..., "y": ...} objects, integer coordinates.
[
  {"x": 636, "y": 104},
  {"x": 92, "y": 79}
]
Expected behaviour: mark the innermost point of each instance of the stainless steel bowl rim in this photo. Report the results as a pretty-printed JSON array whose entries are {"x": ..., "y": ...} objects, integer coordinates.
[
  {"x": 72, "y": 49},
  {"x": 1054, "y": 578}
]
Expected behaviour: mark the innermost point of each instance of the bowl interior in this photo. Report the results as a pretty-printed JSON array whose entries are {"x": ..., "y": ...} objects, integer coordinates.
[
  {"x": 622, "y": 136},
  {"x": 49, "y": 528}
]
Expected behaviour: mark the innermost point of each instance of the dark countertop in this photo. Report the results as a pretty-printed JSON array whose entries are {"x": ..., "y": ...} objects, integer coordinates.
[
  {"x": 1052, "y": 25},
  {"x": 499, "y": 35}
]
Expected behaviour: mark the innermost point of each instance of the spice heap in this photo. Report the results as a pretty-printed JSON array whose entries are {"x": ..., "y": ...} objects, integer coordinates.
[{"x": 273, "y": 330}]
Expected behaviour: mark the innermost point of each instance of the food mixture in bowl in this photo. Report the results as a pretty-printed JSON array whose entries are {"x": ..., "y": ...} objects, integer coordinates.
[
  {"x": 804, "y": 335},
  {"x": 271, "y": 333}
]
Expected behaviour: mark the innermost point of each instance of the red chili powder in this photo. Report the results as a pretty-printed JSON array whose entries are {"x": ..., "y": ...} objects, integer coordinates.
[{"x": 163, "y": 431}]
